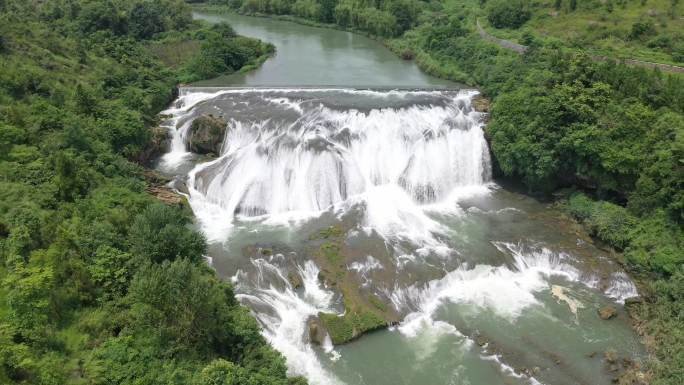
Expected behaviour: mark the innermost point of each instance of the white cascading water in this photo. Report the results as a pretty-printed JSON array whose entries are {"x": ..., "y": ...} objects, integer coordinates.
[
  {"x": 283, "y": 311},
  {"x": 294, "y": 154},
  {"x": 393, "y": 160},
  {"x": 506, "y": 291}
]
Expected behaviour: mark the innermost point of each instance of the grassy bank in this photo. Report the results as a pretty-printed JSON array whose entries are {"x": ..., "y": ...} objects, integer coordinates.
[{"x": 101, "y": 284}]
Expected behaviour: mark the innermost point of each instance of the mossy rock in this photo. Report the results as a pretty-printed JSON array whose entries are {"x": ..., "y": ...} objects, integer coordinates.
[
  {"x": 327, "y": 233},
  {"x": 206, "y": 134},
  {"x": 158, "y": 144},
  {"x": 331, "y": 252},
  {"x": 343, "y": 329},
  {"x": 481, "y": 104},
  {"x": 377, "y": 302}
]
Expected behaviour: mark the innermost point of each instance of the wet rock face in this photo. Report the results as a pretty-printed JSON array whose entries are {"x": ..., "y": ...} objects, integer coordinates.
[
  {"x": 157, "y": 145},
  {"x": 316, "y": 331},
  {"x": 607, "y": 312},
  {"x": 481, "y": 104},
  {"x": 158, "y": 186},
  {"x": 206, "y": 134}
]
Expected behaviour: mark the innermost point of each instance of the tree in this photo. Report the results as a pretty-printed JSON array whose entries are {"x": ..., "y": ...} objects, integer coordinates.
[
  {"x": 405, "y": 12},
  {"x": 222, "y": 372},
  {"x": 508, "y": 13},
  {"x": 110, "y": 271},
  {"x": 327, "y": 10},
  {"x": 642, "y": 29},
  {"x": 223, "y": 30},
  {"x": 102, "y": 15},
  {"x": 146, "y": 19},
  {"x": 161, "y": 233},
  {"x": 28, "y": 298}
]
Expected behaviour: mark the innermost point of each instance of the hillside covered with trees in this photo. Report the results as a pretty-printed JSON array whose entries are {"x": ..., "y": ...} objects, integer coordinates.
[
  {"x": 100, "y": 284},
  {"x": 605, "y": 139}
]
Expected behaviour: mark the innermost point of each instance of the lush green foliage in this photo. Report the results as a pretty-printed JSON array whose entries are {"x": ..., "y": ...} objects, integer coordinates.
[
  {"x": 508, "y": 13},
  {"x": 381, "y": 18},
  {"x": 99, "y": 284},
  {"x": 649, "y": 30},
  {"x": 223, "y": 52}
]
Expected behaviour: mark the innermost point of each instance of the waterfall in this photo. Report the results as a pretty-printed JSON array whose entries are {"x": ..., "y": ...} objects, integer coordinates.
[{"x": 296, "y": 153}]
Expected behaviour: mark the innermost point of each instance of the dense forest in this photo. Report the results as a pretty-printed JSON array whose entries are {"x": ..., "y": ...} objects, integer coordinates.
[
  {"x": 606, "y": 140},
  {"x": 99, "y": 283}
]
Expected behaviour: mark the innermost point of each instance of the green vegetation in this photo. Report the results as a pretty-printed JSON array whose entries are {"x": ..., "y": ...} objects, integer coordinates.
[
  {"x": 654, "y": 241},
  {"x": 343, "y": 329},
  {"x": 100, "y": 284},
  {"x": 651, "y": 30},
  {"x": 221, "y": 51},
  {"x": 385, "y": 18},
  {"x": 363, "y": 313},
  {"x": 328, "y": 232},
  {"x": 507, "y": 13}
]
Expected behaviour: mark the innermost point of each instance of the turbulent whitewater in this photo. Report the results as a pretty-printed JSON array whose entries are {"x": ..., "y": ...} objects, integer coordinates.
[{"x": 407, "y": 176}]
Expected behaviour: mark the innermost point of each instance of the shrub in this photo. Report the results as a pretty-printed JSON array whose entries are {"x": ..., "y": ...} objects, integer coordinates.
[
  {"x": 161, "y": 233},
  {"x": 642, "y": 29},
  {"x": 612, "y": 223},
  {"x": 508, "y": 13},
  {"x": 146, "y": 20}
]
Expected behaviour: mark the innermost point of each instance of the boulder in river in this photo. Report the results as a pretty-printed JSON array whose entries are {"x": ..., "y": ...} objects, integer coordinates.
[
  {"x": 607, "y": 312},
  {"x": 206, "y": 134},
  {"x": 481, "y": 104},
  {"x": 316, "y": 331}
]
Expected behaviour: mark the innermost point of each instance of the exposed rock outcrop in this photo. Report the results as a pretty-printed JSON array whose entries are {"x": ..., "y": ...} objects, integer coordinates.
[
  {"x": 206, "y": 134},
  {"x": 316, "y": 331},
  {"x": 157, "y": 186},
  {"x": 607, "y": 312},
  {"x": 156, "y": 146},
  {"x": 481, "y": 104}
]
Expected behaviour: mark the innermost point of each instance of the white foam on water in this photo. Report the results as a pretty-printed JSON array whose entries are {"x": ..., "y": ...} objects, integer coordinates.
[
  {"x": 284, "y": 321},
  {"x": 508, "y": 370},
  {"x": 364, "y": 267},
  {"x": 505, "y": 291},
  {"x": 621, "y": 287}
]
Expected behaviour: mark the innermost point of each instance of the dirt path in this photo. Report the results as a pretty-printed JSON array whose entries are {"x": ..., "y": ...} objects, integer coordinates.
[{"x": 519, "y": 48}]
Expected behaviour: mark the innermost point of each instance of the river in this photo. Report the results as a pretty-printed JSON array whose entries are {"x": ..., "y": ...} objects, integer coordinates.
[{"x": 351, "y": 185}]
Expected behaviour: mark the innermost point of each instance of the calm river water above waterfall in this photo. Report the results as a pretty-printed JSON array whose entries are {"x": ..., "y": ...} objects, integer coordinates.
[{"x": 482, "y": 285}]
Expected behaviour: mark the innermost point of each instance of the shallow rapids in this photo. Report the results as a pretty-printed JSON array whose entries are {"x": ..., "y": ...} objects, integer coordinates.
[{"x": 471, "y": 271}]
